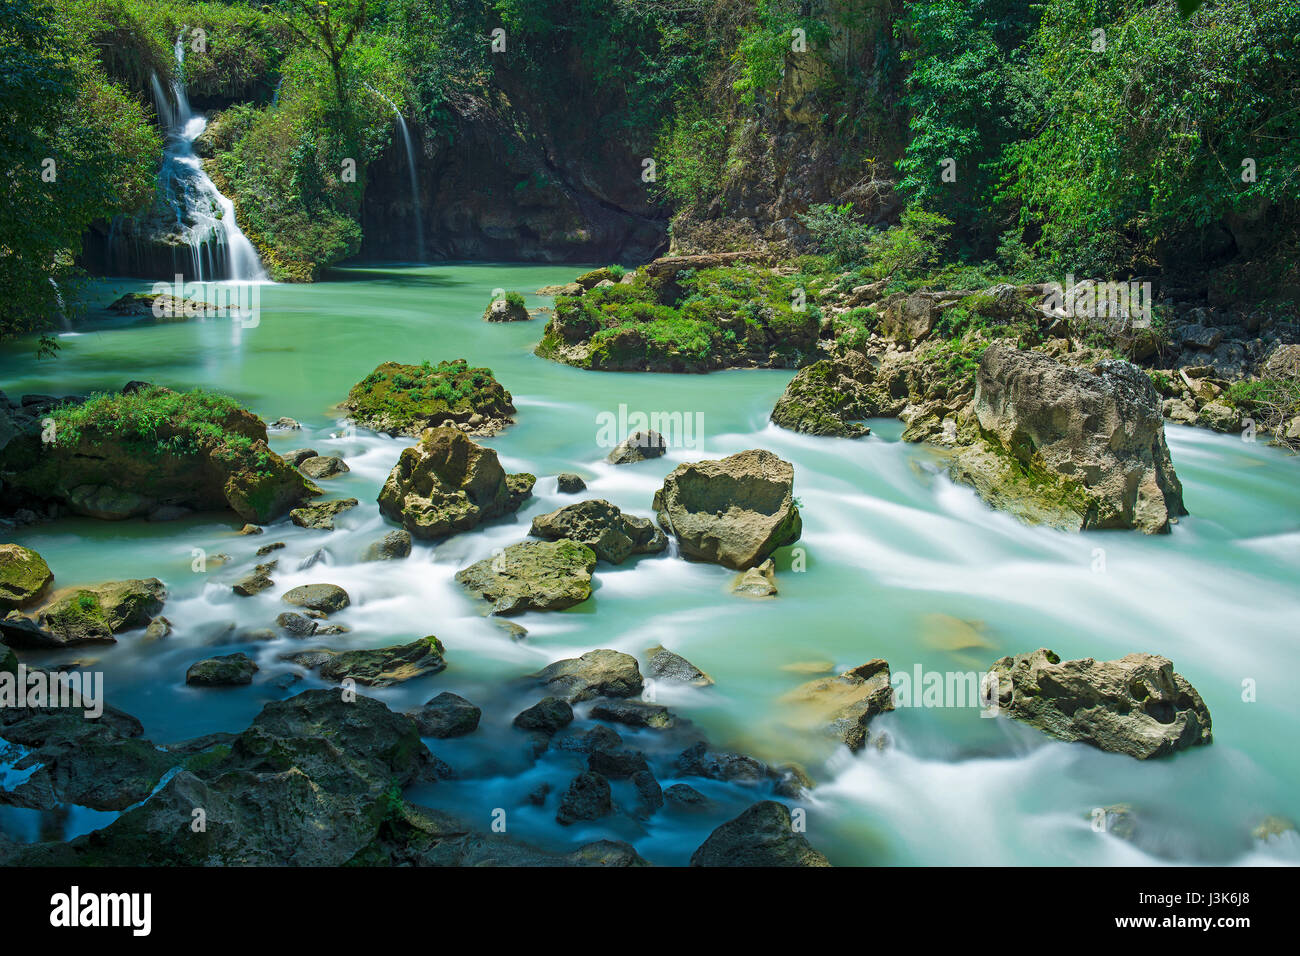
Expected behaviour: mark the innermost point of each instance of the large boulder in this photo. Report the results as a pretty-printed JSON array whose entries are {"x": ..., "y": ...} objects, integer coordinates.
[
  {"x": 611, "y": 534},
  {"x": 734, "y": 512},
  {"x": 532, "y": 575},
  {"x": 1136, "y": 705},
  {"x": 24, "y": 576},
  {"x": 598, "y": 673},
  {"x": 763, "y": 835},
  {"x": 447, "y": 484},
  {"x": 447, "y": 715},
  {"x": 1070, "y": 447},
  {"x": 129, "y": 454},
  {"x": 325, "y": 598},
  {"x": 407, "y": 399},
  {"x": 842, "y": 706},
  {"x": 96, "y": 614}
]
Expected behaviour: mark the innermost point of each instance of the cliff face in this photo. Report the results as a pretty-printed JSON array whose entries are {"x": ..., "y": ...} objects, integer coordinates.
[
  {"x": 823, "y": 135},
  {"x": 510, "y": 178}
]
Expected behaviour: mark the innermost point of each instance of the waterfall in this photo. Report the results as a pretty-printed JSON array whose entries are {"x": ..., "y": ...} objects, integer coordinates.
[
  {"x": 205, "y": 220},
  {"x": 410, "y": 169}
]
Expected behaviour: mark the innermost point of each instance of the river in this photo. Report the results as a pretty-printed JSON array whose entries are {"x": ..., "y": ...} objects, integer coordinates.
[{"x": 895, "y": 562}]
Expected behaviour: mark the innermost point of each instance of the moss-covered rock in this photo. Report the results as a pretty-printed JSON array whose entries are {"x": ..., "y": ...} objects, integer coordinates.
[
  {"x": 532, "y": 575},
  {"x": 129, "y": 453},
  {"x": 228, "y": 671},
  {"x": 407, "y": 399},
  {"x": 95, "y": 615},
  {"x": 611, "y": 534},
  {"x": 24, "y": 576}
]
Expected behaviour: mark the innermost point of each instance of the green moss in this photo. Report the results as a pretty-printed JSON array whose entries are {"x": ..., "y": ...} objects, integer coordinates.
[{"x": 401, "y": 395}]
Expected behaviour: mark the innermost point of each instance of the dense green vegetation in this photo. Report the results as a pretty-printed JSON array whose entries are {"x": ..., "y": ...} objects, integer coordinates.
[
  {"x": 411, "y": 397},
  {"x": 1024, "y": 139}
]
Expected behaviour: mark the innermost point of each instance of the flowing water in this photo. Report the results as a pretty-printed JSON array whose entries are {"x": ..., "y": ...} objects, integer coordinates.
[
  {"x": 187, "y": 203},
  {"x": 895, "y": 562}
]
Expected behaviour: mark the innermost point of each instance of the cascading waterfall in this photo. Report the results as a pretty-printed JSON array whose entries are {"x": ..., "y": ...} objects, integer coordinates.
[
  {"x": 410, "y": 169},
  {"x": 205, "y": 219}
]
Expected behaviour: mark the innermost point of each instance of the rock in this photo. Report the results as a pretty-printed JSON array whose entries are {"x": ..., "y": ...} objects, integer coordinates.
[
  {"x": 158, "y": 629},
  {"x": 843, "y": 706},
  {"x": 447, "y": 484},
  {"x": 67, "y": 758},
  {"x": 1136, "y": 705},
  {"x": 547, "y": 715},
  {"x": 321, "y": 516},
  {"x": 391, "y": 547},
  {"x": 24, "y": 576},
  {"x": 447, "y": 715},
  {"x": 1219, "y": 416},
  {"x": 297, "y": 456},
  {"x": 1068, "y": 447},
  {"x": 532, "y": 575},
  {"x": 665, "y": 665},
  {"x": 1272, "y": 828},
  {"x": 793, "y": 782},
  {"x": 599, "y": 673},
  {"x": 650, "y": 796},
  {"x": 638, "y": 446},
  {"x": 229, "y": 670},
  {"x": 617, "y": 764},
  {"x": 763, "y": 835},
  {"x": 611, "y": 534},
  {"x": 588, "y": 798},
  {"x": 256, "y": 582},
  {"x": 734, "y": 512},
  {"x": 598, "y": 737},
  {"x": 202, "y": 452},
  {"x": 567, "y": 483},
  {"x": 634, "y": 713},
  {"x": 326, "y": 598},
  {"x": 687, "y": 797},
  {"x": 505, "y": 310},
  {"x": 384, "y": 666},
  {"x": 296, "y": 625},
  {"x": 19, "y": 631},
  {"x": 266, "y": 549},
  {"x": 909, "y": 318},
  {"x": 407, "y": 399},
  {"x": 250, "y": 529},
  {"x": 756, "y": 582},
  {"x": 698, "y": 761},
  {"x": 1201, "y": 337},
  {"x": 829, "y": 397},
  {"x": 320, "y": 467},
  {"x": 86, "y": 615},
  {"x": 1178, "y": 411},
  {"x": 285, "y": 424}
]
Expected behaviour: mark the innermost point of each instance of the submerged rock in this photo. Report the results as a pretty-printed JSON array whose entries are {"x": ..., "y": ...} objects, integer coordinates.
[
  {"x": 638, "y": 446},
  {"x": 761, "y": 836},
  {"x": 1067, "y": 447},
  {"x": 447, "y": 484},
  {"x": 843, "y": 706},
  {"x": 383, "y": 666},
  {"x": 532, "y": 575},
  {"x": 447, "y": 715},
  {"x": 611, "y": 534},
  {"x": 24, "y": 576},
  {"x": 734, "y": 512},
  {"x": 599, "y": 673},
  {"x": 756, "y": 582},
  {"x": 1136, "y": 705},
  {"x": 391, "y": 547},
  {"x": 547, "y": 715},
  {"x": 320, "y": 467},
  {"x": 326, "y": 598},
  {"x": 86, "y": 615},
  {"x": 663, "y": 664},
  {"x": 407, "y": 399},
  {"x": 321, "y": 516},
  {"x": 634, "y": 713},
  {"x": 588, "y": 798},
  {"x": 232, "y": 669},
  {"x": 567, "y": 483}
]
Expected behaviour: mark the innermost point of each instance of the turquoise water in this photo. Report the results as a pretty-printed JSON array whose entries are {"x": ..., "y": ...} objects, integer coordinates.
[{"x": 895, "y": 562}]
